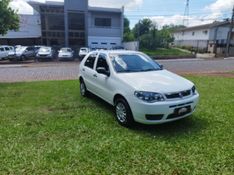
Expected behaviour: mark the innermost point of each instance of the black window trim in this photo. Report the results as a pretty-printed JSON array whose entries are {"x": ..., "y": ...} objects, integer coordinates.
[
  {"x": 103, "y": 18},
  {"x": 95, "y": 59},
  {"x": 105, "y": 56}
]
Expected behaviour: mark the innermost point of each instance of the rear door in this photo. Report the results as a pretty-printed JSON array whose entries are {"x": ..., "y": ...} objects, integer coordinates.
[
  {"x": 7, "y": 50},
  {"x": 30, "y": 52}
]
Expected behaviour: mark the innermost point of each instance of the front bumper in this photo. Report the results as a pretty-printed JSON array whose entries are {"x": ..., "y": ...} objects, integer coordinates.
[
  {"x": 65, "y": 57},
  {"x": 11, "y": 56},
  {"x": 44, "y": 57},
  {"x": 162, "y": 112}
]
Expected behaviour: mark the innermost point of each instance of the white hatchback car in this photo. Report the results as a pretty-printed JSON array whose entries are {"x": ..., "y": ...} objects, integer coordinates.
[
  {"x": 139, "y": 88},
  {"x": 83, "y": 52}
]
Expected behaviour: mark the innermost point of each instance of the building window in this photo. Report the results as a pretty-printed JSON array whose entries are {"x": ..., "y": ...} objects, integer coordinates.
[
  {"x": 205, "y": 32},
  {"x": 113, "y": 43},
  {"x": 104, "y": 43},
  {"x": 76, "y": 21},
  {"x": 193, "y": 33},
  {"x": 94, "y": 43},
  {"x": 103, "y": 22},
  {"x": 55, "y": 22}
]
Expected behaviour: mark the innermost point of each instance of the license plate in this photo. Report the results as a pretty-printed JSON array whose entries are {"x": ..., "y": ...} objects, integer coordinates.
[{"x": 183, "y": 110}]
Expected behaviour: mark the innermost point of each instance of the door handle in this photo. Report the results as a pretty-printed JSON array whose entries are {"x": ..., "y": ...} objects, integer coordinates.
[
  {"x": 83, "y": 70},
  {"x": 95, "y": 75}
]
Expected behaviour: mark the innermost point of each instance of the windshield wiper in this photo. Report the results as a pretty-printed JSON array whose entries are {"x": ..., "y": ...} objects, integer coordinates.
[
  {"x": 147, "y": 70},
  {"x": 127, "y": 71}
]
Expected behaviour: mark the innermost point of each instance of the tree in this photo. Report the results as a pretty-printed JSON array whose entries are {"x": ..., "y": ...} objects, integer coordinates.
[
  {"x": 143, "y": 27},
  {"x": 173, "y": 27},
  {"x": 9, "y": 20},
  {"x": 128, "y": 35}
]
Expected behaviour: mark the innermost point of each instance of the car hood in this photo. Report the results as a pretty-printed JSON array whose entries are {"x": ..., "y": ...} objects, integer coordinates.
[
  {"x": 161, "y": 81},
  {"x": 44, "y": 53},
  {"x": 65, "y": 53}
]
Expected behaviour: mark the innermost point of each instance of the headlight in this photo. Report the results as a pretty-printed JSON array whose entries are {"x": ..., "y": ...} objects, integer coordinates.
[
  {"x": 149, "y": 97},
  {"x": 194, "y": 91}
]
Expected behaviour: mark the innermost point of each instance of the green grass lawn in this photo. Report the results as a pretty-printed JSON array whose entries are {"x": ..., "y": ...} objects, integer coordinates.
[
  {"x": 162, "y": 52},
  {"x": 47, "y": 128}
]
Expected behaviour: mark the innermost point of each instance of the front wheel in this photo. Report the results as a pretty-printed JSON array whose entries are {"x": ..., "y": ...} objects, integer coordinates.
[
  {"x": 83, "y": 90},
  {"x": 123, "y": 113},
  {"x": 22, "y": 58}
]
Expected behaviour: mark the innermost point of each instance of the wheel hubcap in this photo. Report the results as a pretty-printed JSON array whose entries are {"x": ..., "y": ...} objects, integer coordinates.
[
  {"x": 121, "y": 112},
  {"x": 82, "y": 89}
]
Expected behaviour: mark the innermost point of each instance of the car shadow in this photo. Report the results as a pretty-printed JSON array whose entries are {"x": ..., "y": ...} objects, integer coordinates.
[
  {"x": 187, "y": 126},
  {"x": 101, "y": 103},
  {"x": 184, "y": 127}
]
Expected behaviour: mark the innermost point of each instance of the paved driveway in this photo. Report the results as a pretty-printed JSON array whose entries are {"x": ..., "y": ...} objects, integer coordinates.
[{"x": 69, "y": 70}]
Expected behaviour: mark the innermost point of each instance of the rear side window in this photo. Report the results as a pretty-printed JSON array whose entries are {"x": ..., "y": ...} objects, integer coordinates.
[
  {"x": 7, "y": 49},
  {"x": 1, "y": 49},
  {"x": 30, "y": 48},
  {"x": 90, "y": 61}
]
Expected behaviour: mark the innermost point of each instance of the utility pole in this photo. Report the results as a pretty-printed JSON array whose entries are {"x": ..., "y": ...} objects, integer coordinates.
[
  {"x": 230, "y": 34},
  {"x": 186, "y": 14}
]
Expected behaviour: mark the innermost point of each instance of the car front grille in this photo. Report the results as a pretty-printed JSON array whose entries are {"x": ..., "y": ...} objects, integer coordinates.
[
  {"x": 154, "y": 117},
  {"x": 180, "y": 94},
  {"x": 176, "y": 113}
]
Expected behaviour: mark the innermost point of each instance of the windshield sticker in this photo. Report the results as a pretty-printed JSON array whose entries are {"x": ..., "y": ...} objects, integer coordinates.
[{"x": 121, "y": 62}]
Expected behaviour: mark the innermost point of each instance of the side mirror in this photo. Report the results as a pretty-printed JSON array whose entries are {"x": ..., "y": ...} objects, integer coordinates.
[
  {"x": 102, "y": 70},
  {"x": 161, "y": 66}
]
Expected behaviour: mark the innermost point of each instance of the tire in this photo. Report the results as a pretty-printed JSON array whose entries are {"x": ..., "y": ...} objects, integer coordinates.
[
  {"x": 83, "y": 90},
  {"x": 123, "y": 113},
  {"x": 22, "y": 58}
]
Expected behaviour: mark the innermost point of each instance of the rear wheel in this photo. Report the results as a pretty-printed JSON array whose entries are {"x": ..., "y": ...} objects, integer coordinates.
[
  {"x": 123, "y": 113},
  {"x": 83, "y": 90}
]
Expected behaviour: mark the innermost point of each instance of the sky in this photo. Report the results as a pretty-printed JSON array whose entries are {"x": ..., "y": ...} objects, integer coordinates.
[{"x": 162, "y": 12}]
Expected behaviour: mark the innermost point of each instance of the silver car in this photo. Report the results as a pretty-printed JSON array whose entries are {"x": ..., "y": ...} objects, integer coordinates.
[{"x": 65, "y": 54}]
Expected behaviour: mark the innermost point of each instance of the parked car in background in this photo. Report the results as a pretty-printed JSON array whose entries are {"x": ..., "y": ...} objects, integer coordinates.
[
  {"x": 11, "y": 53},
  {"x": 118, "y": 48},
  {"x": 83, "y": 52},
  {"x": 139, "y": 88},
  {"x": 65, "y": 54},
  {"x": 45, "y": 54},
  {"x": 3, "y": 52},
  {"x": 23, "y": 53},
  {"x": 36, "y": 49}
]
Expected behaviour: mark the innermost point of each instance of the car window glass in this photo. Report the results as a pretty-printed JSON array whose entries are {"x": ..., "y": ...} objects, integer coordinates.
[
  {"x": 1, "y": 49},
  {"x": 7, "y": 49},
  {"x": 102, "y": 62},
  {"x": 133, "y": 63},
  {"x": 90, "y": 61},
  {"x": 28, "y": 49}
]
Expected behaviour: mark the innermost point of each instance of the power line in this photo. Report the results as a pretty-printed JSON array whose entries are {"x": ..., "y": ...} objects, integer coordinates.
[{"x": 230, "y": 33}]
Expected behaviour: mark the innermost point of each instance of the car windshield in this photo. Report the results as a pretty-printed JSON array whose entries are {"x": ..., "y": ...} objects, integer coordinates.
[
  {"x": 65, "y": 50},
  {"x": 18, "y": 49},
  {"x": 84, "y": 49},
  {"x": 123, "y": 63},
  {"x": 45, "y": 49}
]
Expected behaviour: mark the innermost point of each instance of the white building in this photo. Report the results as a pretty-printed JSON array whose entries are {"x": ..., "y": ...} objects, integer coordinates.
[{"x": 209, "y": 37}]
